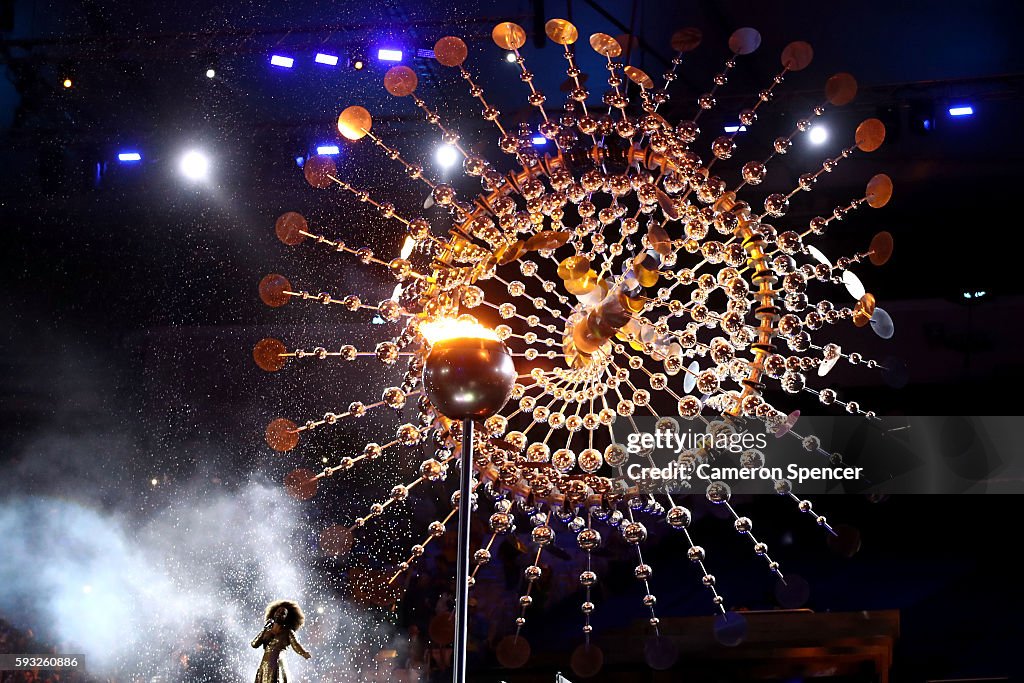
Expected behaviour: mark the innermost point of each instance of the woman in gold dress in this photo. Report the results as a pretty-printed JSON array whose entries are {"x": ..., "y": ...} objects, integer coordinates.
[{"x": 284, "y": 618}]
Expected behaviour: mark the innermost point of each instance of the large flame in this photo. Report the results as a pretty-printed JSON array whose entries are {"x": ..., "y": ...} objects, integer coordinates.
[{"x": 455, "y": 328}]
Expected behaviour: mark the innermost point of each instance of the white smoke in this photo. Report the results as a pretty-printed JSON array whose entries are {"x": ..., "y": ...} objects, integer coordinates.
[{"x": 136, "y": 598}]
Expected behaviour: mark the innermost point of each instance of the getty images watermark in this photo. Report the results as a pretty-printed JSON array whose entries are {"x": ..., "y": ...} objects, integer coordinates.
[{"x": 690, "y": 448}]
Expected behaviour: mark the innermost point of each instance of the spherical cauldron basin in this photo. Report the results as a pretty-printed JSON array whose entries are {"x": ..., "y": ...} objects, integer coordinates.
[{"x": 468, "y": 378}]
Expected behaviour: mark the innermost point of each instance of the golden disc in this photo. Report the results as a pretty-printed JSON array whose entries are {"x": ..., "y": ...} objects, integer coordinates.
[
  {"x": 318, "y": 171},
  {"x": 743, "y": 41},
  {"x": 442, "y": 628},
  {"x": 659, "y": 240},
  {"x": 400, "y": 81},
  {"x": 870, "y": 135},
  {"x": 604, "y": 44},
  {"x": 584, "y": 284},
  {"x": 273, "y": 288},
  {"x": 508, "y": 36},
  {"x": 840, "y": 89},
  {"x": 336, "y": 540},
  {"x": 584, "y": 339},
  {"x": 686, "y": 39},
  {"x": 354, "y": 122},
  {"x": 646, "y": 268},
  {"x": 289, "y": 227},
  {"x": 300, "y": 484},
  {"x": 513, "y": 651},
  {"x": 879, "y": 191},
  {"x": 450, "y": 51},
  {"x": 647, "y": 278},
  {"x": 282, "y": 435},
  {"x": 667, "y": 204},
  {"x": 615, "y": 312},
  {"x": 864, "y": 309},
  {"x": 636, "y": 305},
  {"x": 880, "y": 249},
  {"x": 548, "y": 239},
  {"x": 639, "y": 77},
  {"x": 573, "y": 267},
  {"x": 561, "y": 31},
  {"x": 587, "y": 660},
  {"x": 510, "y": 252},
  {"x": 797, "y": 55},
  {"x": 267, "y": 354}
]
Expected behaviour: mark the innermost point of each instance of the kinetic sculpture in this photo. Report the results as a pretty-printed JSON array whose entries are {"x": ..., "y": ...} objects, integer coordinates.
[{"x": 624, "y": 277}]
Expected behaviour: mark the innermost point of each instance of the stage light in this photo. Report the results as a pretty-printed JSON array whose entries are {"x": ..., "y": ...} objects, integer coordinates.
[
  {"x": 358, "y": 64},
  {"x": 424, "y": 54},
  {"x": 817, "y": 135},
  {"x": 129, "y": 156},
  {"x": 299, "y": 161},
  {"x": 67, "y": 83},
  {"x": 540, "y": 140},
  {"x": 210, "y": 73},
  {"x": 323, "y": 58},
  {"x": 194, "y": 165},
  {"x": 961, "y": 110},
  {"x": 735, "y": 129},
  {"x": 921, "y": 116},
  {"x": 510, "y": 57},
  {"x": 446, "y": 156},
  {"x": 327, "y": 150},
  {"x": 281, "y": 60},
  {"x": 389, "y": 55}
]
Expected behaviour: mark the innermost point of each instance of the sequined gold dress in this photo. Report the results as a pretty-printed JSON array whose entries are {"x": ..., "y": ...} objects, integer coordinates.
[{"x": 272, "y": 668}]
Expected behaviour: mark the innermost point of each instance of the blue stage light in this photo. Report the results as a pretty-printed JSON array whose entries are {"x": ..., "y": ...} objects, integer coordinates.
[
  {"x": 323, "y": 58},
  {"x": 389, "y": 55},
  {"x": 735, "y": 129},
  {"x": 129, "y": 156},
  {"x": 327, "y": 150},
  {"x": 540, "y": 140},
  {"x": 961, "y": 110},
  {"x": 281, "y": 60}
]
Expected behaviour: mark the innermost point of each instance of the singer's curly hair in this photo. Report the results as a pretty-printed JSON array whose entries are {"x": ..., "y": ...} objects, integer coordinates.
[{"x": 295, "y": 617}]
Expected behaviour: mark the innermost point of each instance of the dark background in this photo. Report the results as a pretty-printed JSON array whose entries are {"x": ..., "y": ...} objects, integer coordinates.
[{"x": 129, "y": 303}]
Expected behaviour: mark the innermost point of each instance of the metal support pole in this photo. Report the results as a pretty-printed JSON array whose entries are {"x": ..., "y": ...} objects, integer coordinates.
[{"x": 462, "y": 563}]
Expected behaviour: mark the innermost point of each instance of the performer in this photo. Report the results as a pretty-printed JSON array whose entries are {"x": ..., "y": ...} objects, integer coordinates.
[{"x": 283, "y": 618}]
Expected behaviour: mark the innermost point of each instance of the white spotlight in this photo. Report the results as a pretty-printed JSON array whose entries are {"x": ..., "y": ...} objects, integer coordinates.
[
  {"x": 510, "y": 57},
  {"x": 194, "y": 165},
  {"x": 446, "y": 156},
  {"x": 210, "y": 73},
  {"x": 818, "y": 135}
]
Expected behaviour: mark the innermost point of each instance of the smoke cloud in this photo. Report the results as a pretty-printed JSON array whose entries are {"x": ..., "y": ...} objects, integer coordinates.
[{"x": 179, "y": 595}]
